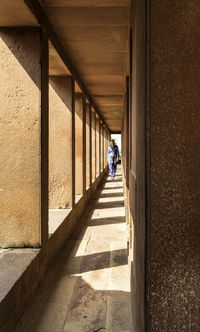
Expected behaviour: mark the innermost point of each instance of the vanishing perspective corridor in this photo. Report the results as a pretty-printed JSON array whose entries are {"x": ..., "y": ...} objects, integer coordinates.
[
  {"x": 79, "y": 251},
  {"x": 87, "y": 289}
]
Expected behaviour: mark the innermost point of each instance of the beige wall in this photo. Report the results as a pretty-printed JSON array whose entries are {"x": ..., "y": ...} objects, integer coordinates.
[
  {"x": 60, "y": 142},
  {"x": 78, "y": 144},
  {"x": 87, "y": 145},
  {"x": 93, "y": 145},
  {"x": 102, "y": 147},
  {"x": 20, "y": 126},
  {"x": 97, "y": 146},
  {"x": 105, "y": 146}
]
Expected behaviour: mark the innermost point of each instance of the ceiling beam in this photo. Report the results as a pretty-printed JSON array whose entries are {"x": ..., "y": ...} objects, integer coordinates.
[{"x": 39, "y": 13}]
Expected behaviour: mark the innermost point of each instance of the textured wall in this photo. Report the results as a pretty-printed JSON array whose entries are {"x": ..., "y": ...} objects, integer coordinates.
[
  {"x": 93, "y": 146},
  {"x": 97, "y": 146},
  {"x": 102, "y": 147},
  {"x": 87, "y": 145},
  {"x": 60, "y": 142},
  {"x": 79, "y": 144},
  {"x": 173, "y": 248},
  {"x": 20, "y": 104}
]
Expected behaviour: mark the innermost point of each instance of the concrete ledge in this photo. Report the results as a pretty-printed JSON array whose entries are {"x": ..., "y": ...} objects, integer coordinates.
[{"x": 21, "y": 270}]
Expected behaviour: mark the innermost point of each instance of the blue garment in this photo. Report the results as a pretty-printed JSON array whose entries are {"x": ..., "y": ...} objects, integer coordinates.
[
  {"x": 112, "y": 168},
  {"x": 112, "y": 155}
]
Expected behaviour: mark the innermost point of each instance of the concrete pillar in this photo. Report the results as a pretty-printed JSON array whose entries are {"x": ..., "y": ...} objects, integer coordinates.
[
  {"x": 93, "y": 145},
  {"x": 173, "y": 248},
  {"x": 97, "y": 146},
  {"x": 102, "y": 147},
  {"x": 105, "y": 147},
  {"x": 166, "y": 105},
  {"x": 88, "y": 147},
  {"x": 84, "y": 144},
  {"x": 73, "y": 143},
  {"x": 78, "y": 144},
  {"x": 60, "y": 142},
  {"x": 24, "y": 125}
]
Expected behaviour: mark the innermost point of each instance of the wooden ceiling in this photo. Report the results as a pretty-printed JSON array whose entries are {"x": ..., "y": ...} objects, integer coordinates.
[{"x": 94, "y": 34}]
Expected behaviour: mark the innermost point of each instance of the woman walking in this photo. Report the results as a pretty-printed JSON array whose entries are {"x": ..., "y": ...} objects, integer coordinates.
[{"x": 112, "y": 156}]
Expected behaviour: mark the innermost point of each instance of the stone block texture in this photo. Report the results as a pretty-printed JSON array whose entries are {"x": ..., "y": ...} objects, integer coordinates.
[
  {"x": 78, "y": 144},
  {"x": 93, "y": 146},
  {"x": 97, "y": 146},
  {"x": 88, "y": 147},
  {"x": 60, "y": 142},
  {"x": 20, "y": 162}
]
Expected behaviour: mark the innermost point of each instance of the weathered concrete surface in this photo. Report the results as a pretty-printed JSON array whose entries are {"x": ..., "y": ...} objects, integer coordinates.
[
  {"x": 60, "y": 142},
  {"x": 134, "y": 164},
  {"x": 20, "y": 102},
  {"x": 79, "y": 144},
  {"x": 173, "y": 247},
  {"x": 15, "y": 13},
  {"x": 102, "y": 147},
  {"x": 105, "y": 146},
  {"x": 93, "y": 146},
  {"x": 98, "y": 157},
  {"x": 88, "y": 146},
  {"x": 88, "y": 288},
  {"x": 13, "y": 262},
  {"x": 56, "y": 217}
]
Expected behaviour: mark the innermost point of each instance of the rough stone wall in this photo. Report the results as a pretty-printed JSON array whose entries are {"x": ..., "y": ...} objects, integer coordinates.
[
  {"x": 88, "y": 145},
  {"x": 20, "y": 105},
  {"x": 173, "y": 247},
  {"x": 93, "y": 146},
  {"x": 102, "y": 147},
  {"x": 79, "y": 144},
  {"x": 105, "y": 147},
  {"x": 60, "y": 142},
  {"x": 97, "y": 147}
]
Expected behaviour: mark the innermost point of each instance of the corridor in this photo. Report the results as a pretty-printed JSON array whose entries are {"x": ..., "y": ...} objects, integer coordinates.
[{"x": 87, "y": 289}]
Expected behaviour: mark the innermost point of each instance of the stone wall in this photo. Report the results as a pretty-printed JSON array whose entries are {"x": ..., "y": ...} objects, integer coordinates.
[
  {"x": 78, "y": 144},
  {"x": 20, "y": 123},
  {"x": 60, "y": 142}
]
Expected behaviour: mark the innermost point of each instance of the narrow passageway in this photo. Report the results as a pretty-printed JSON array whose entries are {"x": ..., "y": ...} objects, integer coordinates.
[{"x": 87, "y": 289}]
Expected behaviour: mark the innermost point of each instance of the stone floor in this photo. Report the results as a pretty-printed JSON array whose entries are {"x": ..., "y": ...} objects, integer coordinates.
[{"x": 88, "y": 289}]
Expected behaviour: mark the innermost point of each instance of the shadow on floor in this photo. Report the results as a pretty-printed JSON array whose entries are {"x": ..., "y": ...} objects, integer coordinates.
[
  {"x": 114, "y": 188},
  {"x": 118, "y": 179},
  {"x": 109, "y": 205},
  {"x": 107, "y": 221},
  {"x": 92, "y": 262},
  {"x": 81, "y": 291},
  {"x": 107, "y": 195},
  {"x": 87, "y": 311}
]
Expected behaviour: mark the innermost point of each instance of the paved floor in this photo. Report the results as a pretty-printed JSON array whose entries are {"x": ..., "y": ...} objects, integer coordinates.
[{"x": 87, "y": 289}]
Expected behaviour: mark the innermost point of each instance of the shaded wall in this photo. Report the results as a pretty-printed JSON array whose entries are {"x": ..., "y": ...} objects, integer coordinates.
[
  {"x": 164, "y": 165},
  {"x": 173, "y": 211}
]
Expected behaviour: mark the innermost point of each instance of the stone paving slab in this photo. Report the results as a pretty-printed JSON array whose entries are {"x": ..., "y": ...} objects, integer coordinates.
[
  {"x": 88, "y": 287},
  {"x": 13, "y": 262}
]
